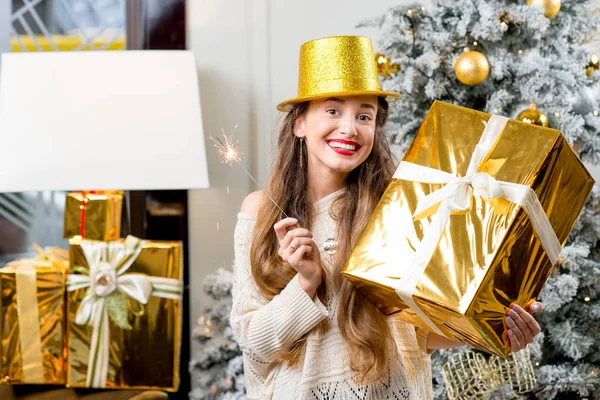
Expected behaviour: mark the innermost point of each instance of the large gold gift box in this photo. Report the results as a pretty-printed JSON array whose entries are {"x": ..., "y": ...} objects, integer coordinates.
[
  {"x": 139, "y": 349},
  {"x": 32, "y": 333},
  {"x": 93, "y": 215},
  {"x": 484, "y": 253}
]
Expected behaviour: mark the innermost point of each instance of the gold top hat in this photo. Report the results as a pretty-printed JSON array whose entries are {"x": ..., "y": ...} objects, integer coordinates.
[{"x": 337, "y": 66}]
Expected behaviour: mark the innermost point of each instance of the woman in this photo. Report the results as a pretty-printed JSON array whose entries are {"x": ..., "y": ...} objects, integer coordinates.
[{"x": 304, "y": 330}]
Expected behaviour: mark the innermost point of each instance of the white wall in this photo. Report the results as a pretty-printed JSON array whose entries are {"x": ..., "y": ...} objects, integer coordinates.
[
  {"x": 247, "y": 55},
  {"x": 217, "y": 31}
]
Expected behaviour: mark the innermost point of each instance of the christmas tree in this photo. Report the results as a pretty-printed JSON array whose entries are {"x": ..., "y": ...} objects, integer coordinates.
[
  {"x": 217, "y": 367},
  {"x": 523, "y": 61}
]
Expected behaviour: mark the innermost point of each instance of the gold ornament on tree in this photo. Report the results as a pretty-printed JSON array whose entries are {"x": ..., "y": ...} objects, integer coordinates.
[
  {"x": 385, "y": 67},
  {"x": 550, "y": 7},
  {"x": 533, "y": 116},
  {"x": 469, "y": 375},
  {"x": 472, "y": 67},
  {"x": 204, "y": 327},
  {"x": 593, "y": 65}
]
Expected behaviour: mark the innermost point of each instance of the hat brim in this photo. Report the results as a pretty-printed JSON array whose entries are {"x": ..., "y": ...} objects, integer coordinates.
[{"x": 287, "y": 105}]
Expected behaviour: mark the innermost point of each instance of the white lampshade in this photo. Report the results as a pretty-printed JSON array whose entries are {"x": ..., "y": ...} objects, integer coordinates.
[{"x": 99, "y": 120}]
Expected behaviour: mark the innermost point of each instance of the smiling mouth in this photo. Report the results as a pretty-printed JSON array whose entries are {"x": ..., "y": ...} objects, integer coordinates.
[{"x": 346, "y": 148}]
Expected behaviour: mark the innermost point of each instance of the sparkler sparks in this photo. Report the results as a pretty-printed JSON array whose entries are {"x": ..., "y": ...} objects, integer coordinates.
[
  {"x": 230, "y": 154},
  {"x": 227, "y": 150}
]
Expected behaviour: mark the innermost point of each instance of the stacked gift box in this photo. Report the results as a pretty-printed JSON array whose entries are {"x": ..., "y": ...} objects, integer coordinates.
[
  {"x": 32, "y": 310},
  {"x": 105, "y": 314}
]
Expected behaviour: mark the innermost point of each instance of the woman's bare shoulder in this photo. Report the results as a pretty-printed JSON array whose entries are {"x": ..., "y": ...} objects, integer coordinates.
[{"x": 251, "y": 202}]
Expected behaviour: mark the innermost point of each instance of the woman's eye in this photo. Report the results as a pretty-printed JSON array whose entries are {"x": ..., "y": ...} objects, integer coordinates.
[
  {"x": 332, "y": 111},
  {"x": 365, "y": 117}
]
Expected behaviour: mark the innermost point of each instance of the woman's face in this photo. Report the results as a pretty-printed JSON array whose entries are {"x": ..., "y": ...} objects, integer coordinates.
[{"x": 338, "y": 131}]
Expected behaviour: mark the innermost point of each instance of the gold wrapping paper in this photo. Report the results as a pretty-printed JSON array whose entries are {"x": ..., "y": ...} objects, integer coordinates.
[
  {"x": 487, "y": 257},
  {"x": 33, "y": 328},
  {"x": 100, "y": 211},
  {"x": 147, "y": 356}
]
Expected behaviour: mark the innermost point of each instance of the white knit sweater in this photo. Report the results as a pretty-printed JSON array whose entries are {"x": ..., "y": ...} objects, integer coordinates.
[{"x": 265, "y": 327}]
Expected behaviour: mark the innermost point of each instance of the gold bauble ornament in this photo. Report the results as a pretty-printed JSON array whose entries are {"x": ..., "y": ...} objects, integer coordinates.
[
  {"x": 533, "y": 116},
  {"x": 385, "y": 67},
  {"x": 593, "y": 65},
  {"x": 550, "y": 7},
  {"x": 472, "y": 68}
]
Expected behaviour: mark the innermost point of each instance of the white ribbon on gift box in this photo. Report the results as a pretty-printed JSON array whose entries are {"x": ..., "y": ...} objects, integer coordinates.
[
  {"x": 455, "y": 195},
  {"x": 108, "y": 262}
]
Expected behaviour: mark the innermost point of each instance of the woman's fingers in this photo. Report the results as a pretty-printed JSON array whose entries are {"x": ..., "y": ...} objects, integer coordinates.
[
  {"x": 286, "y": 252},
  {"x": 520, "y": 328},
  {"x": 530, "y": 322},
  {"x": 299, "y": 241},
  {"x": 535, "y": 307},
  {"x": 281, "y": 227},
  {"x": 515, "y": 345},
  {"x": 516, "y": 330},
  {"x": 292, "y": 234},
  {"x": 299, "y": 254}
]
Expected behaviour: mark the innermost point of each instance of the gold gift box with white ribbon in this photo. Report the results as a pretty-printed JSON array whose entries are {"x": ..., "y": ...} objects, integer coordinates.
[
  {"x": 124, "y": 313},
  {"x": 32, "y": 322},
  {"x": 473, "y": 220}
]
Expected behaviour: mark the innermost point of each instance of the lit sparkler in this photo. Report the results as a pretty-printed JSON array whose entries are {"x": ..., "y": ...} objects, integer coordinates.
[{"x": 230, "y": 154}]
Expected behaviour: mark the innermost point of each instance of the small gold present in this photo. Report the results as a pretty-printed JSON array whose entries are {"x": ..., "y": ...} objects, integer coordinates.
[
  {"x": 124, "y": 314},
  {"x": 32, "y": 319},
  {"x": 473, "y": 220},
  {"x": 93, "y": 215}
]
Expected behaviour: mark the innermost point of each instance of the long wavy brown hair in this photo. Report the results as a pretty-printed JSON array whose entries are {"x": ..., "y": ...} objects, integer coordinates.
[{"x": 363, "y": 327}]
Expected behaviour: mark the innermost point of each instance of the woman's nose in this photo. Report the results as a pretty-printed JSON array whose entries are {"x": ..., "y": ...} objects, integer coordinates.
[{"x": 347, "y": 126}]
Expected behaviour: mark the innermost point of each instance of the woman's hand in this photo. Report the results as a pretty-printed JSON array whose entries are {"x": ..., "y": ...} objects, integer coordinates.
[
  {"x": 521, "y": 326},
  {"x": 297, "y": 248}
]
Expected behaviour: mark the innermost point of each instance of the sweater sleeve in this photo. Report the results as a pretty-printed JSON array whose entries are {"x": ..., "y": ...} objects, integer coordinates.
[
  {"x": 413, "y": 336},
  {"x": 264, "y": 327},
  {"x": 422, "y": 337}
]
